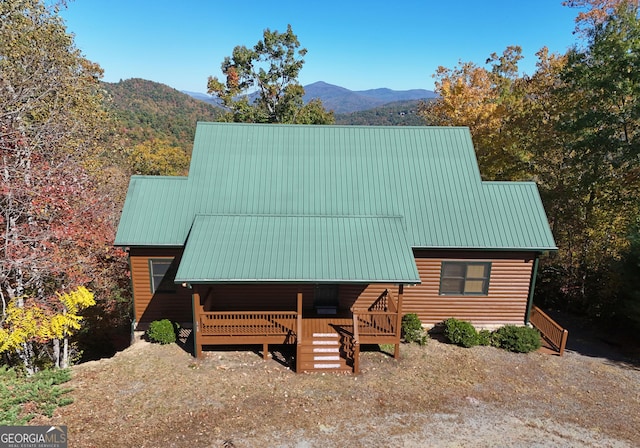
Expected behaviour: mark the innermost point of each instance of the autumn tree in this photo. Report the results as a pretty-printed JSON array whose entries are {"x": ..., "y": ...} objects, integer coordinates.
[
  {"x": 29, "y": 322},
  {"x": 485, "y": 99},
  {"x": 595, "y": 12},
  {"x": 158, "y": 157},
  {"x": 56, "y": 225},
  {"x": 603, "y": 83},
  {"x": 261, "y": 83}
]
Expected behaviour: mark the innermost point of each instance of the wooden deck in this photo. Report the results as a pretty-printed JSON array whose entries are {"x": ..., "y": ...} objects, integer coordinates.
[
  {"x": 323, "y": 341},
  {"x": 328, "y": 324}
]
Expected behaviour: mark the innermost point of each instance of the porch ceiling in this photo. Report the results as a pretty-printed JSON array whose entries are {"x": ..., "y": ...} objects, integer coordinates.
[{"x": 297, "y": 249}]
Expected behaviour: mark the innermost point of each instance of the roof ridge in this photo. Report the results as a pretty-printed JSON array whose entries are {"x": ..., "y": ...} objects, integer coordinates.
[{"x": 300, "y": 215}]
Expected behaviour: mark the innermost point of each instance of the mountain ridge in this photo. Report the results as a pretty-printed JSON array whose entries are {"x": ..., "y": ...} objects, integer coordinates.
[{"x": 342, "y": 100}]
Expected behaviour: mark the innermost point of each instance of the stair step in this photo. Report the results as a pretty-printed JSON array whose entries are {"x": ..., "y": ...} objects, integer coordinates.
[
  {"x": 326, "y": 350},
  {"x": 325, "y": 335},
  {"x": 327, "y": 365},
  {"x": 324, "y": 342},
  {"x": 320, "y": 366},
  {"x": 326, "y": 358}
]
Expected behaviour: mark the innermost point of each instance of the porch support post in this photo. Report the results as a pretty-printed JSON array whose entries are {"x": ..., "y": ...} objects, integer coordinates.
[
  {"x": 396, "y": 351},
  {"x": 299, "y": 331},
  {"x": 532, "y": 287},
  {"x": 356, "y": 344},
  {"x": 265, "y": 351},
  {"x": 197, "y": 311}
]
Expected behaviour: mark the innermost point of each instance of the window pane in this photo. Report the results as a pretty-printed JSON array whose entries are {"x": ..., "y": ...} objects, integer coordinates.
[
  {"x": 474, "y": 287},
  {"x": 451, "y": 286},
  {"x": 477, "y": 271},
  {"x": 159, "y": 269},
  {"x": 453, "y": 269}
]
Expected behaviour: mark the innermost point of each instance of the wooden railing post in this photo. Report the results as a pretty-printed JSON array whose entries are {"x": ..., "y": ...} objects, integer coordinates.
[
  {"x": 563, "y": 342},
  {"x": 299, "y": 331},
  {"x": 197, "y": 313},
  {"x": 356, "y": 344},
  {"x": 299, "y": 320},
  {"x": 396, "y": 352}
]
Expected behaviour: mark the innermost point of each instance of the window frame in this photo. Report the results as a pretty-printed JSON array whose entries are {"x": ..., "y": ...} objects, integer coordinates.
[
  {"x": 168, "y": 261},
  {"x": 464, "y": 278}
]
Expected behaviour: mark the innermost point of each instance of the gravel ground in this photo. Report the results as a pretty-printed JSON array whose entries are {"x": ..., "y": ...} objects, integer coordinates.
[{"x": 438, "y": 395}]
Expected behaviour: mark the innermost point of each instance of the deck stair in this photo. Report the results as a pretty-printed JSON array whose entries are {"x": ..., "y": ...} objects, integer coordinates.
[{"x": 321, "y": 352}]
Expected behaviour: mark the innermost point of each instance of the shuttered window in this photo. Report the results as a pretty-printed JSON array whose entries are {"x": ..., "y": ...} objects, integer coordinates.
[
  {"x": 158, "y": 269},
  {"x": 464, "y": 278}
]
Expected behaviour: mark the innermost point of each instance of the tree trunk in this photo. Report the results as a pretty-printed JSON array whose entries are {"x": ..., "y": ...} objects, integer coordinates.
[
  {"x": 65, "y": 353},
  {"x": 56, "y": 352}
]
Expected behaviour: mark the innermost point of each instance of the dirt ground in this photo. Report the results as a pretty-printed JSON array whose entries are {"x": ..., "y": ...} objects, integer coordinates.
[{"x": 438, "y": 395}]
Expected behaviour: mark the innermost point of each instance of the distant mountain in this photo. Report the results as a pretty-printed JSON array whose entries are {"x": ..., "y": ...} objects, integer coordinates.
[
  {"x": 151, "y": 110},
  {"x": 203, "y": 97},
  {"x": 398, "y": 113},
  {"x": 342, "y": 100}
]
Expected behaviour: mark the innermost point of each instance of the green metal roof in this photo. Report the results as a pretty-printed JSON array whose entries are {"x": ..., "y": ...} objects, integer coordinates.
[
  {"x": 427, "y": 175},
  {"x": 299, "y": 249}
]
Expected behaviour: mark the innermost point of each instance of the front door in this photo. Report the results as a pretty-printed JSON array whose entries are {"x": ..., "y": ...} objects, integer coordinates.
[{"x": 325, "y": 300}]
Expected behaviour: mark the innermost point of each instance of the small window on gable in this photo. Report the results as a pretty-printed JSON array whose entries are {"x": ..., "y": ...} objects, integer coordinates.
[
  {"x": 161, "y": 274},
  {"x": 465, "y": 278}
]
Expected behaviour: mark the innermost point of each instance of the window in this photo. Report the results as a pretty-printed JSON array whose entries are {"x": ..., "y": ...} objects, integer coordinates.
[
  {"x": 465, "y": 278},
  {"x": 158, "y": 268}
]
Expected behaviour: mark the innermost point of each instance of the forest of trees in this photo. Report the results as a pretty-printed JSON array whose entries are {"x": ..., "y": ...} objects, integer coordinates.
[
  {"x": 573, "y": 127},
  {"x": 69, "y": 144}
]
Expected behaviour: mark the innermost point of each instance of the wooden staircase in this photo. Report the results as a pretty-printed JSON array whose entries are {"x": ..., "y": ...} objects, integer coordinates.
[{"x": 321, "y": 352}]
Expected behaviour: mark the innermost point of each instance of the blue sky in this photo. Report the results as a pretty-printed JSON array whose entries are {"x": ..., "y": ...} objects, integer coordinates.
[{"x": 354, "y": 44}]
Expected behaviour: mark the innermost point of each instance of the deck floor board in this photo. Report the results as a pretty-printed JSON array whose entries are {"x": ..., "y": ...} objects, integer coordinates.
[{"x": 311, "y": 325}]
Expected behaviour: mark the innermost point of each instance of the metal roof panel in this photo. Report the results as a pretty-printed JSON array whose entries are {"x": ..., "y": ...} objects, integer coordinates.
[{"x": 285, "y": 248}]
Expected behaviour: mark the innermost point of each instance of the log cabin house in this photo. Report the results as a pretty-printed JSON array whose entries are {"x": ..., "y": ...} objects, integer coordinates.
[{"x": 324, "y": 236}]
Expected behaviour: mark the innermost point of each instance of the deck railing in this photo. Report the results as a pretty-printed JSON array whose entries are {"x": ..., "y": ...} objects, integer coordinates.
[
  {"x": 248, "y": 323},
  {"x": 551, "y": 331},
  {"x": 385, "y": 302},
  {"x": 376, "y": 323},
  {"x": 379, "y": 319}
]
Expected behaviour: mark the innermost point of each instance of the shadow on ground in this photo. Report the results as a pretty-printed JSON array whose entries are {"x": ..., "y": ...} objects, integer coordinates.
[{"x": 589, "y": 339}]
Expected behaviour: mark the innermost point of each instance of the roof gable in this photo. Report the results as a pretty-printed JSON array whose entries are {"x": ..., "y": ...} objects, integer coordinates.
[{"x": 427, "y": 175}]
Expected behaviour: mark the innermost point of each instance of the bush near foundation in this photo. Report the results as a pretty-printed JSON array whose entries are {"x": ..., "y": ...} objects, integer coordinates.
[
  {"x": 412, "y": 330},
  {"x": 461, "y": 332},
  {"x": 510, "y": 337},
  {"x": 517, "y": 339},
  {"x": 162, "y": 332}
]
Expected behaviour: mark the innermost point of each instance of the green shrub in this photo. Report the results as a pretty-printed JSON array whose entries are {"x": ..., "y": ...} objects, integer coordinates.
[
  {"x": 412, "y": 330},
  {"x": 162, "y": 331},
  {"x": 461, "y": 332},
  {"x": 485, "y": 337},
  {"x": 517, "y": 339},
  {"x": 24, "y": 398}
]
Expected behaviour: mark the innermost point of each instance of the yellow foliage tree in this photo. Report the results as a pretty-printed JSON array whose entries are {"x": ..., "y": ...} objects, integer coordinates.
[
  {"x": 24, "y": 324},
  {"x": 19, "y": 325},
  {"x": 158, "y": 157}
]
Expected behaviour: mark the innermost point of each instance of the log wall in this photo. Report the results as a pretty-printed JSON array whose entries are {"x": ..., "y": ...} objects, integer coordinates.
[
  {"x": 164, "y": 304},
  {"x": 505, "y": 303}
]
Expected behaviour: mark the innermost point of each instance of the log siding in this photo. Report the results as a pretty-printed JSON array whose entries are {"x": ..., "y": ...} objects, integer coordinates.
[
  {"x": 164, "y": 304},
  {"x": 505, "y": 302}
]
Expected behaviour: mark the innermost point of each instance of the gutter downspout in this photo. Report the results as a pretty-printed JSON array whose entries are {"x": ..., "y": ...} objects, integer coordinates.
[{"x": 532, "y": 287}]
